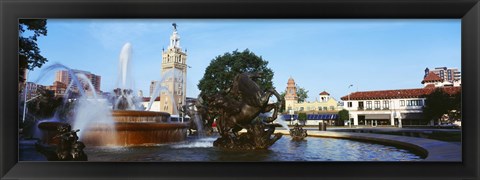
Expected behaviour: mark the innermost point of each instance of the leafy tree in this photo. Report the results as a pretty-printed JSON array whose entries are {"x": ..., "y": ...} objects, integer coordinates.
[
  {"x": 439, "y": 103},
  {"x": 29, "y": 54},
  {"x": 45, "y": 105},
  {"x": 302, "y": 94},
  {"x": 42, "y": 107},
  {"x": 343, "y": 115},
  {"x": 302, "y": 117},
  {"x": 219, "y": 75}
]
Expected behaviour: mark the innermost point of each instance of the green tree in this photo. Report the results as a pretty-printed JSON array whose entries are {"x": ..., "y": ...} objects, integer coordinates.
[
  {"x": 28, "y": 53},
  {"x": 302, "y": 117},
  {"x": 439, "y": 103},
  {"x": 220, "y": 73},
  {"x": 302, "y": 94},
  {"x": 343, "y": 115}
]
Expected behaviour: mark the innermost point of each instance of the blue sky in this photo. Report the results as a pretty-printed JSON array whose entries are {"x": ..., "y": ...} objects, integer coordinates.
[{"x": 319, "y": 54}]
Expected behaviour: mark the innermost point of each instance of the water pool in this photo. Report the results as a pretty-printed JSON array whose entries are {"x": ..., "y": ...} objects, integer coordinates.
[{"x": 202, "y": 150}]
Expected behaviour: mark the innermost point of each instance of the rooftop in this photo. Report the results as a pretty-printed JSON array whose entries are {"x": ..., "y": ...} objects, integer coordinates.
[{"x": 399, "y": 93}]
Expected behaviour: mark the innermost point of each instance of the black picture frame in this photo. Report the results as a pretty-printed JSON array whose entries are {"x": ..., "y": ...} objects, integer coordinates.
[{"x": 466, "y": 10}]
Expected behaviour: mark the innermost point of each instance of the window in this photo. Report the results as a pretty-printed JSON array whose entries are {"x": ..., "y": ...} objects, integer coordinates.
[
  {"x": 414, "y": 103},
  {"x": 332, "y": 108},
  {"x": 369, "y": 104},
  {"x": 402, "y": 102},
  {"x": 301, "y": 108},
  {"x": 377, "y": 104},
  {"x": 349, "y": 104},
  {"x": 325, "y": 108},
  {"x": 386, "y": 105},
  {"x": 319, "y": 108}
]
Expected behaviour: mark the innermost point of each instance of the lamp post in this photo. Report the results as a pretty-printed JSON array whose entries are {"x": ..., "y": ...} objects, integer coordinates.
[
  {"x": 25, "y": 96},
  {"x": 349, "y": 118},
  {"x": 291, "y": 116}
]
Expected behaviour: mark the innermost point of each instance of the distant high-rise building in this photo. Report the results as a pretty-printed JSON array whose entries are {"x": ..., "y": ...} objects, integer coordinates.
[
  {"x": 33, "y": 90},
  {"x": 58, "y": 88},
  {"x": 64, "y": 77},
  {"x": 446, "y": 74}
]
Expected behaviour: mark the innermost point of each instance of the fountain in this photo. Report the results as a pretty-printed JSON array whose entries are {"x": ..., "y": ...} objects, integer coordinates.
[
  {"x": 244, "y": 117},
  {"x": 125, "y": 124}
]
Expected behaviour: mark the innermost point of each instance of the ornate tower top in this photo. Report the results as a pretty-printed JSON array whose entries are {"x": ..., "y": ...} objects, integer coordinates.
[
  {"x": 175, "y": 38},
  {"x": 291, "y": 90}
]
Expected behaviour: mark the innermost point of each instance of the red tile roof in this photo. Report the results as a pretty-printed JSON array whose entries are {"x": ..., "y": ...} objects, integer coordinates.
[
  {"x": 431, "y": 77},
  {"x": 325, "y": 93},
  {"x": 147, "y": 99},
  {"x": 399, "y": 93}
]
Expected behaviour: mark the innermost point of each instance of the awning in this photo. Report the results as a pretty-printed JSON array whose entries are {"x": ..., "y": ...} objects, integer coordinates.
[
  {"x": 377, "y": 116},
  {"x": 412, "y": 116}
]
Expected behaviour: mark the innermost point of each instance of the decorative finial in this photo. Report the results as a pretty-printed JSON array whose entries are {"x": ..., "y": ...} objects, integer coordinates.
[{"x": 174, "y": 26}]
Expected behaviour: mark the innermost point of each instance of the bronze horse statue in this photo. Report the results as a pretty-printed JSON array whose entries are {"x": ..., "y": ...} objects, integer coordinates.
[
  {"x": 241, "y": 106},
  {"x": 198, "y": 111}
]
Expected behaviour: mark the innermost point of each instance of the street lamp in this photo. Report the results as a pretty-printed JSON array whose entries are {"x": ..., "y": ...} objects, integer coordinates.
[
  {"x": 291, "y": 116},
  {"x": 349, "y": 118},
  {"x": 25, "y": 96}
]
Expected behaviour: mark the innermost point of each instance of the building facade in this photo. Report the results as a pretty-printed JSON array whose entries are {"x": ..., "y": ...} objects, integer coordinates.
[
  {"x": 33, "y": 90},
  {"x": 64, "y": 77},
  {"x": 325, "y": 108},
  {"x": 446, "y": 74},
  {"x": 324, "y": 103},
  {"x": 58, "y": 88},
  {"x": 174, "y": 72},
  {"x": 401, "y": 107}
]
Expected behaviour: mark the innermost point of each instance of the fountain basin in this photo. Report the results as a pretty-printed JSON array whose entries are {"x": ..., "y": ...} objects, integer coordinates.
[
  {"x": 139, "y": 116},
  {"x": 134, "y": 134},
  {"x": 135, "y": 128}
]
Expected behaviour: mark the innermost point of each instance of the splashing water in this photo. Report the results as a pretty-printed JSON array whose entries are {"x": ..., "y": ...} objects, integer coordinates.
[
  {"x": 280, "y": 120},
  {"x": 93, "y": 112},
  {"x": 171, "y": 73}
]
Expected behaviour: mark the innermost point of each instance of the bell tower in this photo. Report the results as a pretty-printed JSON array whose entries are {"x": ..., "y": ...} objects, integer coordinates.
[
  {"x": 291, "y": 97},
  {"x": 174, "y": 70}
]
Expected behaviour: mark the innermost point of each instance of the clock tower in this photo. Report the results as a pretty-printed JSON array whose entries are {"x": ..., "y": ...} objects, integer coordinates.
[
  {"x": 291, "y": 94},
  {"x": 174, "y": 72}
]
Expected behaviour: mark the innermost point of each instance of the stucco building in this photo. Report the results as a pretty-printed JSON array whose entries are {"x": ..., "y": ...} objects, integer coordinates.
[
  {"x": 324, "y": 108},
  {"x": 400, "y": 107}
]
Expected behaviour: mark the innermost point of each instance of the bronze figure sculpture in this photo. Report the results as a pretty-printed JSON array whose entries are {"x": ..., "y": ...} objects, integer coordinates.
[
  {"x": 298, "y": 133},
  {"x": 239, "y": 108},
  {"x": 68, "y": 147}
]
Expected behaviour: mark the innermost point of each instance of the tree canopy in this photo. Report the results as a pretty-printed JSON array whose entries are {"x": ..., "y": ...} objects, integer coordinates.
[
  {"x": 28, "y": 53},
  {"x": 343, "y": 115},
  {"x": 220, "y": 73},
  {"x": 302, "y": 94},
  {"x": 439, "y": 103}
]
